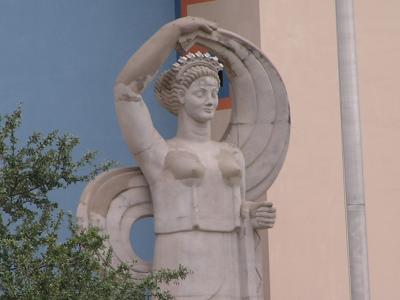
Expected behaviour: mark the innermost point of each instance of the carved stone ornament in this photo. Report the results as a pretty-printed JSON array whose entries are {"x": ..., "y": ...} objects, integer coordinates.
[{"x": 222, "y": 245}]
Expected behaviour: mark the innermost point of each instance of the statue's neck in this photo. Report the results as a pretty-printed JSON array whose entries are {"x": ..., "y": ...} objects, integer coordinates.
[{"x": 191, "y": 130}]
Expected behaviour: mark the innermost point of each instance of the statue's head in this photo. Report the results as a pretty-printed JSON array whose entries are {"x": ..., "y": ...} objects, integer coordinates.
[{"x": 191, "y": 84}]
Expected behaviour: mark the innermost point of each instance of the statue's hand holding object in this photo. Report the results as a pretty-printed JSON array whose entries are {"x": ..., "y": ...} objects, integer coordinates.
[{"x": 262, "y": 215}]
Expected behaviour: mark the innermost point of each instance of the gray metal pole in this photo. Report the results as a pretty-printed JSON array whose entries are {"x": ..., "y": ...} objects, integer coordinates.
[{"x": 352, "y": 153}]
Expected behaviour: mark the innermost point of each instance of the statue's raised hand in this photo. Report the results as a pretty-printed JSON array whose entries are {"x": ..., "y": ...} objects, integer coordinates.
[{"x": 188, "y": 25}]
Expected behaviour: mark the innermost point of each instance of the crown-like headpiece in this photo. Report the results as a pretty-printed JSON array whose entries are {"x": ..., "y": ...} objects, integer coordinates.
[
  {"x": 170, "y": 86},
  {"x": 197, "y": 59}
]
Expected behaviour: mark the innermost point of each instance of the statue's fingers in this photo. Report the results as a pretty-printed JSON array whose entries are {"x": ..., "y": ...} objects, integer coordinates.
[
  {"x": 213, "y": 25},
  {"x": 265, "y": 204},
  {"x": 266, "y": 209},
  {"x": 265, "y": 214},
  {"x": 266, "y": 225},
  {"x": 265, "y": 221},
  {"x": 262, "y": 212},
  {"x": 207, "y": 28}
]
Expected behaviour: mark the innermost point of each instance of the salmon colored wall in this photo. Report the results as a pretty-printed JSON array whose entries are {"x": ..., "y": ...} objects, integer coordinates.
[
  {"x": 378, "y": 38},
  {"x": 307, "y": 246},
  {"x": 308, "y": 255}
]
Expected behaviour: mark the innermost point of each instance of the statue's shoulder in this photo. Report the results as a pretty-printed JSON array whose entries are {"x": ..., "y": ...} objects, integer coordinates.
[
  {"x": 172, "y": 143},
  {"x": 229, "y": 147},
  {"x": 178, "y": 144},
  {"x": 231, "y": 150}
]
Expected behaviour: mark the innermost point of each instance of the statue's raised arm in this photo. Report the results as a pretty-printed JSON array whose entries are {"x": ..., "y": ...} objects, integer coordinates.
[
  {"x": 133, "y": 115},
  {"x": 145, "y": 63}
]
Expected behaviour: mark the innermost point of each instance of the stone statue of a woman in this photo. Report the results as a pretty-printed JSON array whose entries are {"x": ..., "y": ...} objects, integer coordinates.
[{"x": 197, "y": 185}]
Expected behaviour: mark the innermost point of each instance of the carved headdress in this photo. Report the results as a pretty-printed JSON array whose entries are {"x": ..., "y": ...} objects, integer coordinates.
[{"x": 172, "y": 85}]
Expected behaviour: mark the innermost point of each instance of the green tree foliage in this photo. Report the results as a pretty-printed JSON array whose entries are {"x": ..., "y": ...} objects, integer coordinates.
[{"x": 34, "y": 263}]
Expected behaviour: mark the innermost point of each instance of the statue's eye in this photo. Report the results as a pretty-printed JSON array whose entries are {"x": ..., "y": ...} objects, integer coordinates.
[{"x": 200, "y": 93}]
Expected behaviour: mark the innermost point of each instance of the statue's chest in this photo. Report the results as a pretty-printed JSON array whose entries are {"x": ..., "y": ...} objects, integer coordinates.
[
  {"x": 203, "y": 164},
  {"x": 199, "y": 188}
]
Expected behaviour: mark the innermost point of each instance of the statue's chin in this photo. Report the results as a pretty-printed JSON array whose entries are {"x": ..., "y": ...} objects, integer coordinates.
[
  {"x": 203, "y": 117},
  {"x": 203, "y": 120}
]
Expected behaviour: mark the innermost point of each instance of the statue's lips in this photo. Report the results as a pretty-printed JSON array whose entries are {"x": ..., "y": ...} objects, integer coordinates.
[{"x": 209, "y": 110}]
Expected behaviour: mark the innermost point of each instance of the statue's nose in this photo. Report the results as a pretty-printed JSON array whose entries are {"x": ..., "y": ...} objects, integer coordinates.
[{"x": 210, "y": 101}]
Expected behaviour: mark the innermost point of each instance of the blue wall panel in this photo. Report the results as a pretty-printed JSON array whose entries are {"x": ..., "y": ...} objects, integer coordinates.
[{"x": 60, "y": 59}]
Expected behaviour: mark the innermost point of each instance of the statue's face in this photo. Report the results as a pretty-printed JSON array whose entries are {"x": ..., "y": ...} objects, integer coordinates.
[{"x": 201, "y": 99}]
